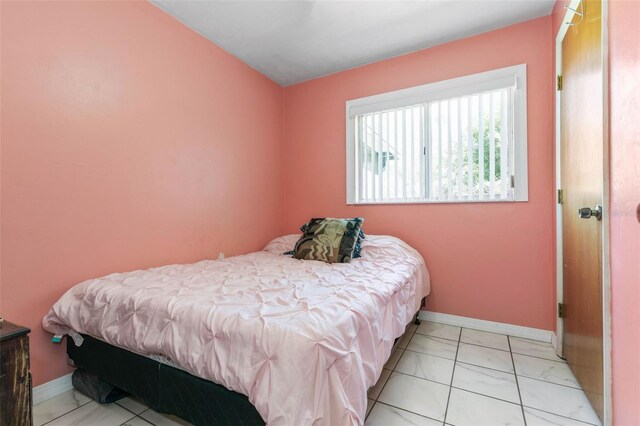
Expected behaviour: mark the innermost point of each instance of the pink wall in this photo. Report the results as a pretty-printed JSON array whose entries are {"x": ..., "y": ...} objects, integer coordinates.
[
  {"x": 477, "y": 267},
  {"x": 128, "y": 141},
  {"x": 624, "y": 78}
]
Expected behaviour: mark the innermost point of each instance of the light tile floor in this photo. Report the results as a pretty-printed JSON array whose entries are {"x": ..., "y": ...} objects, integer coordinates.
[{"x": 437, "y": 375}]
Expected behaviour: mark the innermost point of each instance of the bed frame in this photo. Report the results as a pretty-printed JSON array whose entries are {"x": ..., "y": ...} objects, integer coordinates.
[{"x": 164, "y": 388}]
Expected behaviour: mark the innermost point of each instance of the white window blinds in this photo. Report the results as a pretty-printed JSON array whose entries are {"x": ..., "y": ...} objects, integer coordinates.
[{"x": 442, "y": 149}]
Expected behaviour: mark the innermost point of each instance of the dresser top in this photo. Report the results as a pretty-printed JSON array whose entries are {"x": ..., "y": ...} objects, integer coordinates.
[{"x": 9, "y": 330}]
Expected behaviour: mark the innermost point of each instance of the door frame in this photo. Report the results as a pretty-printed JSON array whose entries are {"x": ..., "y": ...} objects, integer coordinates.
[{"x": 606, "y": 282}]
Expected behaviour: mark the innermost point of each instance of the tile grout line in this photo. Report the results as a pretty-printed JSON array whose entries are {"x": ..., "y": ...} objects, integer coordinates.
[
  {"x": 563, "y": 416},
  {"x": 131, "y": 411},
  {"x": 139, "y": 417},
  {"x": 393, "y": 370},
  {"x": 88, "y": 402},
  {"x": 485, "y": 346},
  {"x": 471, "y": 391},
  {"x": 481, "y": 366},
  {"x": 437, "y": 337},
  {"x": 515, "y": 374},
  {"x": 497, "y": 334},
  {"x": 488, "y": 368},
  {"x": 127, "y": 421},
  {"x": 491, "y": 368},
  {"x": 64, "y": 414},
  {"x": 559, "y": 360},
  {"x": 412, "y": 412},
  {"x": 148, "y": 421},
  {"x": 508, "y": 372},
  {"x": 425, "y": 353},
  {"x": 421, "y": 378},
  {"x": 485, "y": 395},
  {"x": 453, "y": 372},
  {"x": 375, "y": 401},
  {"x": 550, "y": 382}
]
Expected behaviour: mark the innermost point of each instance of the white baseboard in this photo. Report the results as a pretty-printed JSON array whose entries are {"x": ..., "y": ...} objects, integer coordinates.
[
  {"x": 493, "y": 327},
  {"x": 52, "y": 389},
  {"x": 554, "y": 342}
]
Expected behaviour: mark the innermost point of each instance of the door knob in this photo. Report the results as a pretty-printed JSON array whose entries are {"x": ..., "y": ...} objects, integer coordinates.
[{"x": 586, "y": 212}]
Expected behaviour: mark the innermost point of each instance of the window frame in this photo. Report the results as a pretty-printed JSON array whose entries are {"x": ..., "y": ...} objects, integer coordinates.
[{"x": 446, "y": 89}]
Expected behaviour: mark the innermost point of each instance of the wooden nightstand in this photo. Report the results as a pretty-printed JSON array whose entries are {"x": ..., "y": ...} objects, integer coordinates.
[{"x": 15, "y": 378}]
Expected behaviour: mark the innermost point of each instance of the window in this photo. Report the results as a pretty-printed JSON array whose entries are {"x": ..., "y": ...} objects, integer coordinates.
[{"x": 457, "y": 140}]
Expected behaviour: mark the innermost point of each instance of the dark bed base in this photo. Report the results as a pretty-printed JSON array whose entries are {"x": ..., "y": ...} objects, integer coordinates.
[{"x": 164, "y": 388}]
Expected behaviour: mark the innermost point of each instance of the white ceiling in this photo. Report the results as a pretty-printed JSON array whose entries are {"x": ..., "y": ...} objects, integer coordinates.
[{"x": 293, "y": 41}]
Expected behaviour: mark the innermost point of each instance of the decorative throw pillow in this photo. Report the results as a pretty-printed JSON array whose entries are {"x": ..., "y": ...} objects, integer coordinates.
[
  {"x": 329, "y": 240},
  {"x": 356, "y": 250},
  {"x": 361, "y": 235}
]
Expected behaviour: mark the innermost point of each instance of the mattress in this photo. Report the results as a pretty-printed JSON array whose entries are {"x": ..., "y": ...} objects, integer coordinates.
[{"x": 304, "y": 340}]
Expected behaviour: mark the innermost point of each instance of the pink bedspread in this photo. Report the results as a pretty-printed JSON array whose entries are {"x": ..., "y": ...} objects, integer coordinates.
[{"x": 304, "y": 340}]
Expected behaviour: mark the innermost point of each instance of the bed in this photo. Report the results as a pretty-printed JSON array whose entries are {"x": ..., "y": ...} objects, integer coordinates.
[{"x": 302, "y": 340}]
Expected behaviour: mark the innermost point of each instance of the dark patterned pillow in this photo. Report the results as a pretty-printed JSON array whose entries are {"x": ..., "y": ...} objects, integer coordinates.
[
  {"x": 357, "y": 249},
  {"x": 329, "y": 240}
]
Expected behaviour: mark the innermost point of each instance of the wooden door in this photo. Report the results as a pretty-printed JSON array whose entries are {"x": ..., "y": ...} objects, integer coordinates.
[{"x": 582, "y": 126}]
